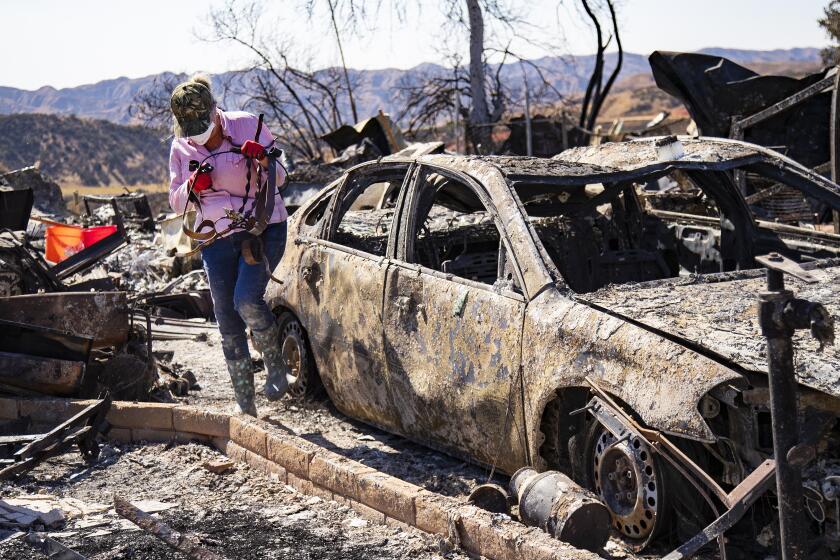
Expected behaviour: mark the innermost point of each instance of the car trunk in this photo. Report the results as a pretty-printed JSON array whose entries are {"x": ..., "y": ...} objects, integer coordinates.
[{"x": 717, "y": 314}]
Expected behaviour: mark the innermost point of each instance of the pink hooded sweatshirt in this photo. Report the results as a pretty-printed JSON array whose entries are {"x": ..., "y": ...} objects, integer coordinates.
[{"x": 228, "y": 190}]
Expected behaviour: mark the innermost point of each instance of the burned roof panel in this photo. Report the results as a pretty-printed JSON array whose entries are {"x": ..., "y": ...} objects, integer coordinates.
[
  {"x": 641, "y": 154},
  {"x": 523, "y": 165},
  {"x": 716, "y": 90}
]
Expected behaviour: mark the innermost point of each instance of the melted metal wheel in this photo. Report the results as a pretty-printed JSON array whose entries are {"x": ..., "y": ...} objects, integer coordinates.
[
  {"x": 627, "y": 480},
  {"x": 291, "y": 339}
]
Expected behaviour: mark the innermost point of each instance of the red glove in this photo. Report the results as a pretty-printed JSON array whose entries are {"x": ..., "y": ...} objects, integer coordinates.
[
  {"x": 252, "y": 149},
  {"x": 200, "y": 180}
]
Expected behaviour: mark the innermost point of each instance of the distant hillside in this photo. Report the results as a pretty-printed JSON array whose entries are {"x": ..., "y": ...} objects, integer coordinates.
[
  {"x": 100, "y": 149},
  {"x": 374, "y": 90},
  {"x": 83, "y": 151}
]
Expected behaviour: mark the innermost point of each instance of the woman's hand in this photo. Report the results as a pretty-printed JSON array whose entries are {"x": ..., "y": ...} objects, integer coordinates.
[
  {"x": 253, "y": 150},
  {"x": 200, "y": 180}
]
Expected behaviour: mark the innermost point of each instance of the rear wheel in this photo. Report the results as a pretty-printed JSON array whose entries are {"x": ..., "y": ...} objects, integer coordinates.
[{"x": 304, "y": 383}]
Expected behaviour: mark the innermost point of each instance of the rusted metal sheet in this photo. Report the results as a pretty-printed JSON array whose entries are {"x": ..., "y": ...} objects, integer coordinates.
[
  {"x": 102, "y": 316},
  {"x": 42, "y": 375}
]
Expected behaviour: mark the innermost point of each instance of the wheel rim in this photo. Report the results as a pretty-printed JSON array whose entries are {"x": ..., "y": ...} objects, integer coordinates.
[
  {"x": 293, "y": 356},
  {"x": 627, "y": 480}
]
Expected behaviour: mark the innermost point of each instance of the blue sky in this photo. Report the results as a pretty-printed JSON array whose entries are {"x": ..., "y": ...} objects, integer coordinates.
[{"x": 67, "y": 43}]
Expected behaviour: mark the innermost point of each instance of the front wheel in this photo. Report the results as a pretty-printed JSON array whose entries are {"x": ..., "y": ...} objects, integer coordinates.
[
  {"x": 304, "y": 383},
  {"x": 627, "y": 477},
  {"x": 648, "y": 499}
]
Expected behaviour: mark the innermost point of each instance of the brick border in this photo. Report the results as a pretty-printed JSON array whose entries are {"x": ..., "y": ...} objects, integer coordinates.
[{"x": 313, "y": 470}]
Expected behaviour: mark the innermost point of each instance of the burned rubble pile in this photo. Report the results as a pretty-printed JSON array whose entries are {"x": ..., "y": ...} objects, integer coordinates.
[
  {"x": 81, "y": 296},
  {"x": 794, "y": 116}
]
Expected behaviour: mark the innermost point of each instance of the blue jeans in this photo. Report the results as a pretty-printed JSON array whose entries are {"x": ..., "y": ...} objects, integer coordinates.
[{"x": 238, "y": 288}]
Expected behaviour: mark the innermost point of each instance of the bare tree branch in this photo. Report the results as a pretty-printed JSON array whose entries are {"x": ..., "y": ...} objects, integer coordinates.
[{"x": 602, "y": 94}]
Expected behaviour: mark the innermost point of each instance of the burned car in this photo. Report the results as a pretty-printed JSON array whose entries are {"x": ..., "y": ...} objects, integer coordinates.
[{"x": 477, "y": 305}]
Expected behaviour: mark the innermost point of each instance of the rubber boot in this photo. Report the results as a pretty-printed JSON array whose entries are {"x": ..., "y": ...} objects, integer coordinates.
[
  {"x": 268, "y": 344},
  {"x": 242, "y": 378}
]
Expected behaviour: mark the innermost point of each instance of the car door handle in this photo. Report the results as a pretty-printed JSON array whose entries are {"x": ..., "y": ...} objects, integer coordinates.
[
  {"x": 310, "y": 272},
  {"x": 405, "y": 304}
]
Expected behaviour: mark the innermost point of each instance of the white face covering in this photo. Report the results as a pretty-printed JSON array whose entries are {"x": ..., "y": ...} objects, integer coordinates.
[{"x": 202, "y": 138}]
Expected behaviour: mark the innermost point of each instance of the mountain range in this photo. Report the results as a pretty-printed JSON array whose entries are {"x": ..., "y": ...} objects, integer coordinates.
[
  {"x": 374, "y": 89},
  {"x": 85, "y": 135}
]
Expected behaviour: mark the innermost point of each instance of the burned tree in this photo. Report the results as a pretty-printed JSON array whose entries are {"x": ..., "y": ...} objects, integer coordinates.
[
  {"x": 830, "y": 22},
  {"x": 439, "y": 96},
  {"x": 480, "y": 112},
  {"x": 302, "y": 104},
  {"x": 596, "y": 90},
  {"x": 349, "y": 13},
  {"x": 476, "y": 90},
  {"x": 481, "y": 92}
]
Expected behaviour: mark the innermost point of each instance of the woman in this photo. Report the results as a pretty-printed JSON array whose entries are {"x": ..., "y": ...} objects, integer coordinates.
[{"x": 205, "y": 133}]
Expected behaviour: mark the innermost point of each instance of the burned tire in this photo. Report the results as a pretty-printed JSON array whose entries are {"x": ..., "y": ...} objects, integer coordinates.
[
  {"x": 630, "y": 480},
  {"x": 304, "y": 383},
  {"x": 647, "y": 498},
  {"x": 625, "y": 475}
]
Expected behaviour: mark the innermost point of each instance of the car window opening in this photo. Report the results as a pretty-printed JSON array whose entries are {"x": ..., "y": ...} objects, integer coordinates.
[
  {"x": 455, "y": 234},
  {"x": 314, "y": 215},
  {"x": 599, "y": 234},
  {"x": 366, "y": 211},
  {"x": 655, "y": 227}
]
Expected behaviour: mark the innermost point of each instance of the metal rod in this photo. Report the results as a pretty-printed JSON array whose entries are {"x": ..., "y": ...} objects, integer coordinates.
[
  {"x": 564, "y": 132},
  {"x": 783, "y": 413},
  {"x": 784, "y": 422}
]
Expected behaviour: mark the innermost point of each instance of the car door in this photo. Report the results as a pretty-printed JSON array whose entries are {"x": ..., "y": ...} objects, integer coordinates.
[
  {"x": 341, "y": 286},
  {"x": 453, "y": 314}
]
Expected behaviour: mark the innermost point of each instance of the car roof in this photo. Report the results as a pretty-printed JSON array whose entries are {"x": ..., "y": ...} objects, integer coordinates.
[
  {"x": 627, "y": 161},
  {"x": 641, "y": 153},
  {"x": 610, "y": 161}
]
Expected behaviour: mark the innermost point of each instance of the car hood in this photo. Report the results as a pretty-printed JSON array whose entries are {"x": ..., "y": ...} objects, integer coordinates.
[{"x": 717, "y": 315}]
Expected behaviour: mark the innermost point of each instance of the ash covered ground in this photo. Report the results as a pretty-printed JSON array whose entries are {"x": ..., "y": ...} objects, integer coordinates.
[
  {"x": 322, "y": 424},
  {"x": 240, "y": 514}
]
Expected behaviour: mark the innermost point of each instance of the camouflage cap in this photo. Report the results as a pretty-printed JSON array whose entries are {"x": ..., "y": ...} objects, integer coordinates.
[{"x": 192, "y": 105}]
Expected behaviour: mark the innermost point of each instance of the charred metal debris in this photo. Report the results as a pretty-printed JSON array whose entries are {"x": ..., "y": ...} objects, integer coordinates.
[
  {"x": 794, "y": 116},
  {"x": 20, "y": 453},
  {"x": 83, "y": 326}
]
